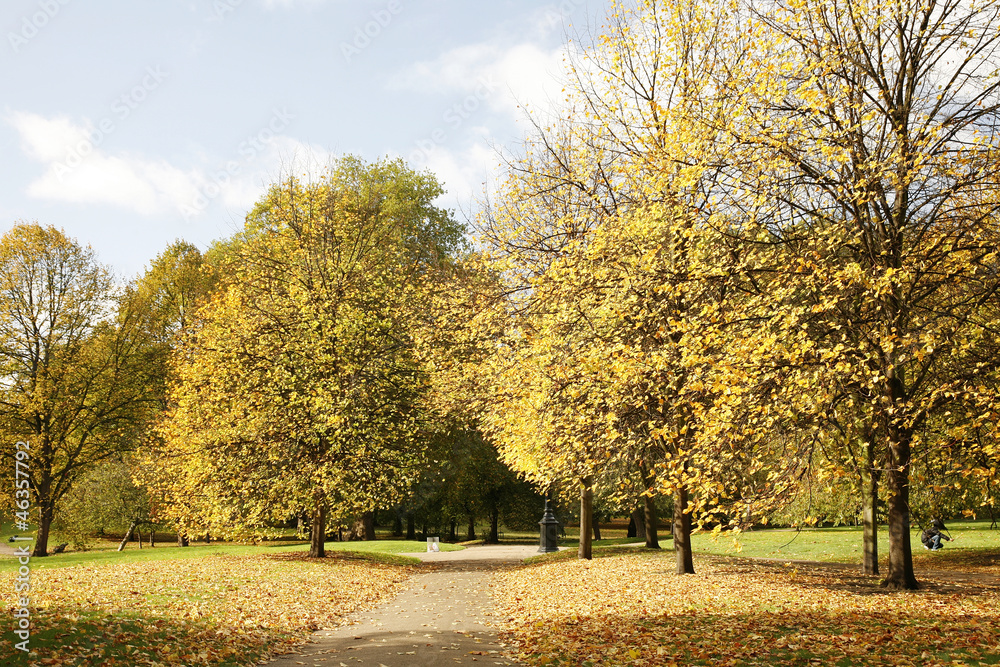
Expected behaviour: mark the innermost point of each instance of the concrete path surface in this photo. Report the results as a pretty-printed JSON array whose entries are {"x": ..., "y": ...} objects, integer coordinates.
[{"x": 441, "y": 619}]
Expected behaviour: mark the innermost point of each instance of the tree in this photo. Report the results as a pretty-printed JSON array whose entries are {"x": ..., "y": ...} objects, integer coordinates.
[
  {"x": 74, "y": 362},
  {"x": 300, "y": 387},
  {"x": 168, "y": 295},
  {"x": 603, "y": 228},
  {"x": 467, "y": 482},
  {"x": 865, "y": 157},
  {"x": 106, "y": 498}
]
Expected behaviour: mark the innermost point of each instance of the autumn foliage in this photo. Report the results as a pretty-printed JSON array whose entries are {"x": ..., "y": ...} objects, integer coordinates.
[
  {"x": 757, "y": 242},
  {"x": 215, "y": 610},
  {"x": 299, "y": 390},
  {"x": 625, "y": 610}
]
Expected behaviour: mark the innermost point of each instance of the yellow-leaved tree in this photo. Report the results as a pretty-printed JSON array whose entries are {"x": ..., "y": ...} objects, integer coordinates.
[
  {"x": 76, "y": 362},
  {"x": 298, "y": 388},
  {"x": 863, "y": 168}
]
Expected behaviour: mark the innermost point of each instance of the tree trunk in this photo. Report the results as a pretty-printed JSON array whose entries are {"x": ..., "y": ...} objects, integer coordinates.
[
  {"x": 596, "y": 525},
  {"x": 397, "y": 525},
  {"x": 900, "y": 574},
  {"x": 453, "y": 530},
  {"x": 639, "y": 521},
  {"x": 182, "y": 539},
  {"x": 649, "y": 509},
  {"x": 317, "y": 542},
  {"x": 586, "y": 549},
  {"x": 367, "y": 526},
  {"x": 411, "y": 527},
  {"x": 470, "y": 534},
  {"x": 650, "y": 521},
  {"x": 152, "y": 536},
  {"x": 208, "y": 537},
  {"x": 138, "y": 537},
  {"x": 45, "y": 513},
  {"x": 869, "y": 563},
  {"x": 128, "y": 536},
  {"x": 494, "y": 527},
  {"x": 682, "y": 532}
]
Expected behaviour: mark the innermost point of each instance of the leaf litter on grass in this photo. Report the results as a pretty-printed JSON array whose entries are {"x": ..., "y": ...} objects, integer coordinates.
[
  {"x": 632, "y": 610},
  {"x": 219, "y": 610}
]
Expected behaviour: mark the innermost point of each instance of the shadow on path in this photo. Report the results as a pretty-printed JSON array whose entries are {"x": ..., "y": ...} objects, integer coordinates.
[{"x": 442, "y": 618}]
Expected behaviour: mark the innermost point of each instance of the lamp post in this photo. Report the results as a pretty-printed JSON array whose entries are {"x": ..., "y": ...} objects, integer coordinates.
[{"x": 548, "y": 539}]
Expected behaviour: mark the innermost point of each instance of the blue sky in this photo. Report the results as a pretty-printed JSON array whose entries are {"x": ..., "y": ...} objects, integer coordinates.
[{"x": 131, "y": 123}]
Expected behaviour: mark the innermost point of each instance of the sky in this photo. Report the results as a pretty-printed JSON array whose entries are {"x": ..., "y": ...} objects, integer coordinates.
[{"x": 133, "y": 123}]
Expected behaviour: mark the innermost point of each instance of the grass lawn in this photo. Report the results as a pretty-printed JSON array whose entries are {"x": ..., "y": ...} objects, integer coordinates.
[
  {"x": 222, "y": 608},
  {"x": 105, "y": 553},
  {"x": 231, "y": 604},
  {"x": 970, "y": 550},
  {"x": 206, "y": 604},
  {"x": 626, "y": 607},
  {"x": 973, "y": 548}
]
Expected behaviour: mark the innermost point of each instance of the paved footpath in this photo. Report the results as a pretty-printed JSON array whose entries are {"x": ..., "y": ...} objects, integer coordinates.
[{"x": 440, "y": 619}]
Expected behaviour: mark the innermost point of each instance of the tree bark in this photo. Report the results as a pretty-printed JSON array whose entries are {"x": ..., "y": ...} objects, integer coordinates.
[
  {"x": 900, "y": 575},
  {"x": 317, "y": 542},
  {"x": 367, "y": 526},
  {"x": 471, "y": 532},
  {"x": 494, "y": 527},
  {"x": 397, "y": 524},
  {"x": 596, "y": 525},
  {"x": 869, "y": 563},
  {"x": 650, "y": 520},
  {"x": 639, "y": 522},
  {"x": 453, "y": 530},
  {"x": 682, "y": 532},
  {"x": 411, "y": 527},
  {"x": 128, "y": 536},
  {"x": 649, "y": 508},
  {"x": 138, "y": 537},
  {"x": 46, "y": 510},
  {"x": 586, "y": 549}
]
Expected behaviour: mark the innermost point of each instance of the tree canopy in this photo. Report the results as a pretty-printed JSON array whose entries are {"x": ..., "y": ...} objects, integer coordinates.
[{"x": 299, "y": 388}]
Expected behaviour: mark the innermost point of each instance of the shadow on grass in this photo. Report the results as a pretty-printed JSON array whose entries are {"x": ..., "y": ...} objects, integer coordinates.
[
  {"x": 846, "y": 578},
  {"x": 598, "y": 551},
  {"x": 341, "y": 555},
  {"x": 694, "y": 637},
  {"x": 84, "y": 636}
]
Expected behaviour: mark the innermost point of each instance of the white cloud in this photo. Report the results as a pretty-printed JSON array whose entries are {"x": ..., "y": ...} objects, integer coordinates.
[
  {"x": 78, "y": 170},
  {"x": 517, "y": 69},
  {"x": 523, "y": 73},
  {"x": 289, "y": 4},
  {"x": 464, "y": 172},
  {"x": 48, "y": 139}
]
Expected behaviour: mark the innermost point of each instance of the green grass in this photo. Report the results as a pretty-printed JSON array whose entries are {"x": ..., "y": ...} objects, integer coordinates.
[
  {"x": 974, "y": 544},
  {"x": 200, "y": 611},
  {"x": 840, "y": 544},
  {"x": 133, "y": 554},
  {"x": 600, "y": 550}
]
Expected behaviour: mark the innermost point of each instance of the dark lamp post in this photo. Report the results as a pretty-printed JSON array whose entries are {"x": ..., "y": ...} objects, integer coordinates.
[{"x": 548, "y": 539}]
